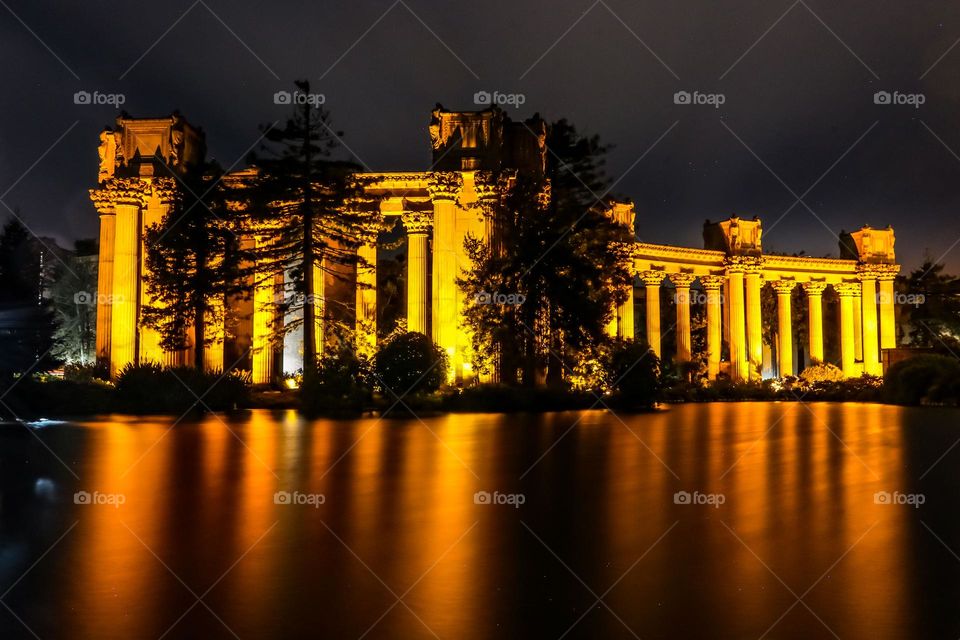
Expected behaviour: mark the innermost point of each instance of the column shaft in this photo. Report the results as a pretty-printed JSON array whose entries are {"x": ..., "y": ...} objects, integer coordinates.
[
  {"x": 784, "y": 290},
  {"x": 652, "y": 280},
  {"x": 366, "y": 319},
  {"x": 263, "y": 317},
  {"x": 682, "y": 301},
  {"x": 847, "y": 291},
  {"x": 105, "y": 286},
  {"x": 871, "y": 344},
  {"x": 711, "y": 286},
  {"x": 126, "y": 289},
  {"x": 754, "y": 330},
  {"x": 814, "y": 292},
  {"x": 738, "y": 350},
  {"x": 417, "y": 300},
  {"x": 888, "y": 331}
]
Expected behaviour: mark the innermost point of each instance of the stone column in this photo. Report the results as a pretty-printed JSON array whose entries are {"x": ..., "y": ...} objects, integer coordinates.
[
  {"x": 161, "y": 198},
  {"x": 784, "y": 289},
  {"x": 711, "y": 286},
  {"x": 128, "y": 196},
  {"x": 652, "y": 280},
  {"x": 814, "y": 291},
  {"x": 868, "y": 305},
  {"x": 108, "y": 219},
  {"x": 857, "y": 329},
  {"x": 418, "y": 230},
  {"x": 738, "y": 348},
  {"x": 444, "y": 187},
  {"x": 262, "y": 350},
  {"x": 888, "y": 329},
  {"x": 214, "y": 337},
  {"x": 753, "y": 280},
  {"x": 366, "y": 313},
  {"x": 682, "y": 281},
  {"x": 847, "y": 292}
]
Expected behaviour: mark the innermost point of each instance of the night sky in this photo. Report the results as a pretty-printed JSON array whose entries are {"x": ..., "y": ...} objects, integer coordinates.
[{"x": 798, "y": 121}]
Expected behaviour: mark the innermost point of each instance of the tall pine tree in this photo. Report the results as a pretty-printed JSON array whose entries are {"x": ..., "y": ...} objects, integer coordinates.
[
  {"x": 563, "y": 258},
  {"x": 192, "y": 265},
  {"x": 301, "y": 209}
]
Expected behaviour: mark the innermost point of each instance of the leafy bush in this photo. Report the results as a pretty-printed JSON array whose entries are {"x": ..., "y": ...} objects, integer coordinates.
[
  {"x": 86, "y": 373},
  {"x": 821, "y": 372},
  {"x": 31, "y": 399},
  {"x": 633, "y": 372},
  {"x": 341, "y": 383},
  {"x": 410, "y": 363},
  {"x": 923, "y": 378},
  {"x": 150, "y": 387}
]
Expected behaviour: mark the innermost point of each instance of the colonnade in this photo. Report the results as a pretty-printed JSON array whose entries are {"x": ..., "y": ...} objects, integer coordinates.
[{"x": 866, "y": 323}]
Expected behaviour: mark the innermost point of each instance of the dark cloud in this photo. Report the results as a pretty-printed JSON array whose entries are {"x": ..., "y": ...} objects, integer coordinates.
[{"x": 799, "y": 100}]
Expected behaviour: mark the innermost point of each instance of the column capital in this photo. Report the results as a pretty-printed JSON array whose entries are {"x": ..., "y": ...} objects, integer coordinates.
[
  {"x": 752, "y": 264},
  {"x": 712, "y": 283},
  {"x": 652, "y": 278},
  {"x": 847, "y": 289},
  {"x": 887, "y": 271},
  {"x": 166, "y": 190},
  {"x": 444, "y": 185},
  {"x": 682, "y": 280},
  {"x": 783, "y": 287},
  {"x": 126, "y": 190},
  {"x": 486, "y": 184},
  {"x": 417, "y": 221},
  {"x": 103, "y": 200},
  {"x": 814, "y": 287}
]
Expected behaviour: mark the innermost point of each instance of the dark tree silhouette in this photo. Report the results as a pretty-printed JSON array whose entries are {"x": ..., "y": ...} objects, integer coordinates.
[
  {"x": 27, "y": 319},
  {"x": 558, "y": 254},
  {"x": 301, "y": 211}
]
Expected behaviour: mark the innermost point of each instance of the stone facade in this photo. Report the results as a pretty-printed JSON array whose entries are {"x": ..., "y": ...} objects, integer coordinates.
[{"x": 438, "y": 208}]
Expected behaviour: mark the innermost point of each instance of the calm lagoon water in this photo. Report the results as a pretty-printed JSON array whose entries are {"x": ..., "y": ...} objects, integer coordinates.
[{"x": 738, "y": 520}]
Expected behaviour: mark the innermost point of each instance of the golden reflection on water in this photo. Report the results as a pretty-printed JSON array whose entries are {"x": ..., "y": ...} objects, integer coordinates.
[{"x": 399, "y": 516}]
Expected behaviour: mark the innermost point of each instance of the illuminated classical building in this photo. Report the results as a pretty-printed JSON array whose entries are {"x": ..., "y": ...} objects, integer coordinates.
[{"x": 438, "y": 208}]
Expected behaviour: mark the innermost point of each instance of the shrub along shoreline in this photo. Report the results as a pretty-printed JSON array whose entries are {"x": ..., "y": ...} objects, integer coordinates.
[{"x": 346, "y": 386}]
